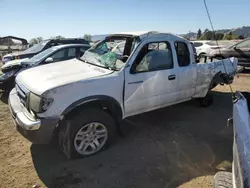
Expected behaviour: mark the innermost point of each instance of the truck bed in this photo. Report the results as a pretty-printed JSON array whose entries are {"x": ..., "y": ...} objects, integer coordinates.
[{"x": 206, "y": 72}]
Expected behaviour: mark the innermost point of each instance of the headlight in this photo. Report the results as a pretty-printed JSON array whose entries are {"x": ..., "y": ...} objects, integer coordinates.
[{"x": 38, "y": 103}]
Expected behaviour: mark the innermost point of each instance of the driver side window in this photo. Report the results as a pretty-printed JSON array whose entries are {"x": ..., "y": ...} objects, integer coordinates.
[
  {"x": 153, "y": 57},
  {"x": 60, "y": 55}
]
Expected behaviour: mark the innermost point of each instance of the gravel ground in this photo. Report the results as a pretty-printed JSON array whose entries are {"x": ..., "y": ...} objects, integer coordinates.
[{"x": 179, "y": 146}]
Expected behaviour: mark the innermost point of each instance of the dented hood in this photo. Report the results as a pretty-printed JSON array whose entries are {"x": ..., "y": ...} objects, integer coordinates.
[{"x": 45, "y": 77}]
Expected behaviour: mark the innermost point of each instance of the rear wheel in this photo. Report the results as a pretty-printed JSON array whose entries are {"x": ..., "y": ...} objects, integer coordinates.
[
  {"x": 219, "y": 57},
  {"x": 87, "y": 133},
  {"x": 206, "y": 101},
  {"x": 223, "y": 180},
  {"x": 202, "y": 55}
]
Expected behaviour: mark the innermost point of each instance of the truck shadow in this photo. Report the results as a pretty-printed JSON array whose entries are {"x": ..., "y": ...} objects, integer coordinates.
[{"x": 163, "y": 148}]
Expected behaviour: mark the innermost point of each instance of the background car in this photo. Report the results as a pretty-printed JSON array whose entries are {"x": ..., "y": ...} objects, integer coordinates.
[
  {"x": 203, "y": 48},
  {"x": 51, "y": 55},
  {"x": 37, "y": 48},
  {"x": 240, "y": 50}
]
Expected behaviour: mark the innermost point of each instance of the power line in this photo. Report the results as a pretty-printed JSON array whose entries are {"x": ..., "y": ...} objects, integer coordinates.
[{"x": 210, "y": 20}]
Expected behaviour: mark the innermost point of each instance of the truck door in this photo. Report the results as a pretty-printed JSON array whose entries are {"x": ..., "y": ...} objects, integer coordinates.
[
  {"x": 186, "y": 70},
  {"x": 150, "y": 81}
]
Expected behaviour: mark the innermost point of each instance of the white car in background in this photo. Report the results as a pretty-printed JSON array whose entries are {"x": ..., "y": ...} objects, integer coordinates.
[{"x": 204, "y": 47}]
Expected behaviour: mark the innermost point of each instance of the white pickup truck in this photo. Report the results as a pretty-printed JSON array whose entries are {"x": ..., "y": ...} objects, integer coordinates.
[{"x": 83, "y": 101}]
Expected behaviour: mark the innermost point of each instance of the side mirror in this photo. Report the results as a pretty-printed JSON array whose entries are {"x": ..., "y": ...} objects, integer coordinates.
[
  {"x": 49, "y": 60},
  {"x": 235, "y": 47}
]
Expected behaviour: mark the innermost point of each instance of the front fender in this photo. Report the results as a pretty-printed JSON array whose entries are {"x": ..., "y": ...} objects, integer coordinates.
[{"x": 102, "y": 99}]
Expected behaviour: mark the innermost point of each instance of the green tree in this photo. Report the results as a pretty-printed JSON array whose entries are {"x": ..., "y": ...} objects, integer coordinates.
[
  {"x": 199, "y": 33},
  {"x": 87, "y": 37},
  {"x": 241, "y": 37},
  {"x": 219, "y": 36},
  {"x": 230, "y": 36},
  {"x": 206, "y": 30},
  {"x": 209, "y": 35}
]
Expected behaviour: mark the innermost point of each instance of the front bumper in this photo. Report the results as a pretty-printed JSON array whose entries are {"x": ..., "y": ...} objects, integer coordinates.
[{"x": 35, "y": 130}]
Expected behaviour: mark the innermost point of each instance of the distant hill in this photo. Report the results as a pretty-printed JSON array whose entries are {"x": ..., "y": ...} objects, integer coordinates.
[
  {"x": 223, "y": 31},
  {"x": 98, "y": 37},
  {"x": 244, "y": 31},
  {"x": 190, "y": 35}
]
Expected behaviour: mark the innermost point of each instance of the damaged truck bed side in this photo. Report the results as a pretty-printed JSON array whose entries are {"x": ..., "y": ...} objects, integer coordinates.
[{"x": 85, "y": 99}]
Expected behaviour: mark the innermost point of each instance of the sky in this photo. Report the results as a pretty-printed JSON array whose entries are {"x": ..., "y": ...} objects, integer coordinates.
[{"x": 74, "y": 18}]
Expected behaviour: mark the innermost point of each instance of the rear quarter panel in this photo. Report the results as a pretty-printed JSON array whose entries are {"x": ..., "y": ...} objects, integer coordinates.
[{"x": 207, "y": 71}]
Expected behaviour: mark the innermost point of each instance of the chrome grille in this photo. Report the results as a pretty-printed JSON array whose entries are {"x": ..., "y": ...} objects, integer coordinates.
[{"x": 22, "y": 94}]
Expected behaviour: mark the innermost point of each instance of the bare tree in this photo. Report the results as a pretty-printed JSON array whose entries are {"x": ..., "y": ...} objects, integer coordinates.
[
  {"x": 87, "y": 37},
  {"x": 36, "y": 40},
  {"x": 58, "y": 37}
]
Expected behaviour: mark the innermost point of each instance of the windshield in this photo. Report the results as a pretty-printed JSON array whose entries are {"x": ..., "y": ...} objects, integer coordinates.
[
  {"x": 43, "y": 54},
  {"x": 110, "y": 53},
  {"x": 37, "y": 47}
]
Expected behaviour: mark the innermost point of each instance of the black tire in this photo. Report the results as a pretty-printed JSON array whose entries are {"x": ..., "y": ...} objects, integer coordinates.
[
  {"x": 223, "y": 180},
  {"x": 219, "y": 57},
  {"x": 206, "y": 101},
  {"x": 202, "y": 55},
  {"x": 69, "y": 129}
]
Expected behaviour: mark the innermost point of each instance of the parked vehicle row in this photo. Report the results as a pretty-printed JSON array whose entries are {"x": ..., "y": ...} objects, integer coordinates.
[
  {"x": 50, "y": 55},
  {"x": 204, "y": 47},
  {"x": 240, "y": 50},
  {"x": 37, "y": 48},
  {"x": 82, "y": 101}
]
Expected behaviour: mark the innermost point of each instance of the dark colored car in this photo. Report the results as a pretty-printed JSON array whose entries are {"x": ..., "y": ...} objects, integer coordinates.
[
  {"x": 240, "y": 176},
  {"x": 37, "y": 48},
  {"x": 239, "y": 50},
  {"x": 51, "y": 55}
]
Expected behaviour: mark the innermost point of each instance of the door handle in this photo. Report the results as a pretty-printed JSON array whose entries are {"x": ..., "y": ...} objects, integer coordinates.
[
  {"x": 137, "y": 82},
  {"x": 171, "y": 77}
]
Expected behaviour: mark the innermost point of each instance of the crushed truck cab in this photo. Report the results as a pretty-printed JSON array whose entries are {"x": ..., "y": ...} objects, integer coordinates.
[{"x": 109, "y": 83}]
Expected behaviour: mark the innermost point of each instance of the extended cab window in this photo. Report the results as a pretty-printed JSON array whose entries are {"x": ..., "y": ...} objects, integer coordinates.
[
  {"x": 183, "y": 55},
  {"x": 153, "y": 57}
]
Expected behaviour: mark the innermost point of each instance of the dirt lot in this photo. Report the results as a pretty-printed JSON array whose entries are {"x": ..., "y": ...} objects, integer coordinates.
[{"x": 182, "y": 145}]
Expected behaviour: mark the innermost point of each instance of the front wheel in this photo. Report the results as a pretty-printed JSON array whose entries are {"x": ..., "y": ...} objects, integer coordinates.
[{"x": 87, "y": 133}]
